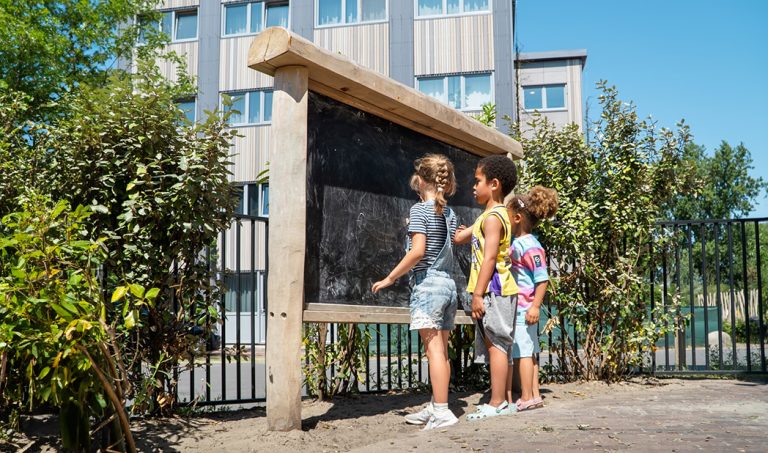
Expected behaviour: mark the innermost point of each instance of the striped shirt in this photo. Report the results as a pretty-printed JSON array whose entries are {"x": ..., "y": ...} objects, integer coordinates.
[{"x": 423, "y": 219}]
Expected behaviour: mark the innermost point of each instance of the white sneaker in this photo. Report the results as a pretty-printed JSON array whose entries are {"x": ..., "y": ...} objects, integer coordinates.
[
  {"x": 421, "y": 417},
  {"x": 441, "y": 420}
]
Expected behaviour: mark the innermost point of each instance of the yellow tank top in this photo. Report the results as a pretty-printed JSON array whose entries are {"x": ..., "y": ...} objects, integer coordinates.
[{"x": 502, "y": 282}]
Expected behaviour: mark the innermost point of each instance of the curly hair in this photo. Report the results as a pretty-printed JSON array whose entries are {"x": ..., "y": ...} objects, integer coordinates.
[
  {"x": 436, "y": 170},
  {"x": 538, "y": 204},
  {"x": 501, "y": 168}
]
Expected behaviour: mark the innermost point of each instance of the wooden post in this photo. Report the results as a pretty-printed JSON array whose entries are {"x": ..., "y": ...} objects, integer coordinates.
[{"x": 288, "y": 201}]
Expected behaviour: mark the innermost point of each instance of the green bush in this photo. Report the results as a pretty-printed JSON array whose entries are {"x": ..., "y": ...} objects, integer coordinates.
[
  {"x": 611, "y": 192},
  {"x": 59, "y": 347},
  {"x": 740, "y": 331}
]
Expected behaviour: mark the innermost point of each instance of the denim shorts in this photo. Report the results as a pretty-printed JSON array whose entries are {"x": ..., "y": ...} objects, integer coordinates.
[
  {"x": 526, "y": 337},
  {"x": 433, "y": 300}
]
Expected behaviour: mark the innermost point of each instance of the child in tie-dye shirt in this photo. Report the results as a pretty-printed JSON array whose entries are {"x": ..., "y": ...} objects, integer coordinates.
[{"x": 529, "y": 267}]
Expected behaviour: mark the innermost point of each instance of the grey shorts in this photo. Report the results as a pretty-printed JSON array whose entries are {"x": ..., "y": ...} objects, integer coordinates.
[
  {"x": 498, "y": 326},
  {"x": 433, "y": 301}
]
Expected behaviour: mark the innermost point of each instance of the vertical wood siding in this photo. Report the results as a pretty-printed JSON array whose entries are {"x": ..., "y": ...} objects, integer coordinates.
[
  {"x": 453, "y": 44},
  {"x": 168, "y": 4},
  {"x": 250, "y": 152},
  {"x": 234, "y": 73},
  {"x": 366, "y": 45},
  {"x": 184, "y": 49}
]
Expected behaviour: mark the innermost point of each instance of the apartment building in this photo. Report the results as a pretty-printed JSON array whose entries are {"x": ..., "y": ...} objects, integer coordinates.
[{"x": 459, "y": 51}]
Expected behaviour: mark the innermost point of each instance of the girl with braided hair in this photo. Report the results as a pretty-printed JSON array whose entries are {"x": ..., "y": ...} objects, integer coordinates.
[
  {"x": 529, "y": 267},
  {"x": 433, "y": 300}
]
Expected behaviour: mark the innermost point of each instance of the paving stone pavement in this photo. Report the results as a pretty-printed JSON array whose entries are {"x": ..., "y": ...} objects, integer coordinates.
[{"x": 677, "y": 416}]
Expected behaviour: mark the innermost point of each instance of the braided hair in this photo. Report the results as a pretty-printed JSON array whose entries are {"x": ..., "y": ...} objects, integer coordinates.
[{"x": 436, "y": 170}]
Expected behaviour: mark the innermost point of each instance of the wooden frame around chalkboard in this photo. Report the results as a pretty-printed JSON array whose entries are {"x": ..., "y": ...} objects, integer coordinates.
[{"x": 299, "y": 66}]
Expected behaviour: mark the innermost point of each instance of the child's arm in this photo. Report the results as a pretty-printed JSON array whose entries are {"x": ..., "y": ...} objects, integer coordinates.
[
  {"x": 462, "y": 235},
  {"x": 532, "y": 316},
  {"x": 492, "y": 228},
  {"x": 414, "y": 255}
]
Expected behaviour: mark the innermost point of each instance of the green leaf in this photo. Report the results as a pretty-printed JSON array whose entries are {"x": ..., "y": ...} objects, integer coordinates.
[
  {"x": 137, "y": 290},
  {"x": 152, "y": 293},
  {"x": 61, "y": 311},
  {"x": 119, "y": 293},
  {"x": 130, "y": 320},
  {"x": 44, "y": 372}
]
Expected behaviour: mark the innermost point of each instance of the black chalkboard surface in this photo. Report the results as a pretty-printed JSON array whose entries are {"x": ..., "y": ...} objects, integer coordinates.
[{"x": 358, "y": 201}]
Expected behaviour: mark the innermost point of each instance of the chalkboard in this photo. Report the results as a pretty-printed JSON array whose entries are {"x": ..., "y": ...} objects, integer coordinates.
[{"x": 358, "y": 201}]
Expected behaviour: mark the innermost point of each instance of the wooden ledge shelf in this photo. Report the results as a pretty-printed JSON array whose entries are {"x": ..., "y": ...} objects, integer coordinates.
[{"x": 365, "y": 314}]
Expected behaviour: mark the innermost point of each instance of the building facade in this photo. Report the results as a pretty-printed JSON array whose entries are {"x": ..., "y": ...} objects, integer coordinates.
[
  {"x": 551, "y": 83},
  {"x": 458, "y": 51}
]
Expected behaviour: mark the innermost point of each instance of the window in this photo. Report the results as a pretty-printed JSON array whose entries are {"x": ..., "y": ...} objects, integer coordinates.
[
  {"x": 178, "y": 25},
  {"x": 427, "y": 8},
  {"x": 188, "y": 106},
  {"x": 258, "y": 201},
  {"x": 252, "y": 200},
  {"x": 277, "y": 16},
  {"x": 251, "y": 287},
  {"x": 340, "y": 12},
  {"x": 185, "y": 25},
  {"x": 253, "y": 17},
  {"x": 252, "y": 107},
  {"x": 544, "y": 97},
  {"x": 264, "y": 200},
  {"x": 462, "y": 92}
]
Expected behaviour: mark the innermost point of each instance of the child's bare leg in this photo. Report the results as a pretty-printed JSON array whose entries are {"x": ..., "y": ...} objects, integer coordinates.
[
  {"x": 536, "y": 393},
  {"x": 439, "y": 373},
  {"x": 499, "y": 368},
  {"x": 526, "y": 377},
  {"x": 445, "y": 336},
  {"x": 510, "y": 372}
]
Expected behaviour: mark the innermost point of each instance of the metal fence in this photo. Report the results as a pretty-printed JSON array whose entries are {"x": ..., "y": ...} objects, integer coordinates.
[
  {"x": 715, "y": 268},
  {"x": 231, "y": 369}
]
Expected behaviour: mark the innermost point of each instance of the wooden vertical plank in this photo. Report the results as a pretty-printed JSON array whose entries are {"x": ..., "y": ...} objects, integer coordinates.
[{"x": 288, "y": 193}]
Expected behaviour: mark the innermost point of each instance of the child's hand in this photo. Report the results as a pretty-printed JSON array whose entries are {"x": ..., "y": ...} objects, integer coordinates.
[
  {"x": 478, "y": 308},
  {"x": 381, "y": 284},
  {"x": 532, "y": 316},
  {"x": 462, "y": 235}
]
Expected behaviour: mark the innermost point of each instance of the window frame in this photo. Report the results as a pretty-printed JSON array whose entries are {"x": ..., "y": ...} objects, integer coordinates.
[
  {"x": 248, "y": 18},
  {"x": 462, "y": 88},
  {"x": 243, "y": 206},
  {"x": 344, "y": 22},
  {"x": 544, "y": 103},
  {"x": 247, "y": 102},
  {"x": 173, "y": 13},
  {"x": 445, "y": 13}
]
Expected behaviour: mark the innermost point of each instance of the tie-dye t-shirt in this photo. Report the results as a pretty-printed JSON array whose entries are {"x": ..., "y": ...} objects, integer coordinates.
[{"x": 529, "y": 266}]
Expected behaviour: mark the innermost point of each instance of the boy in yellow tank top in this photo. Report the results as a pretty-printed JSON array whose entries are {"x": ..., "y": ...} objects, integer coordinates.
[{"x": 491, "y": 283}]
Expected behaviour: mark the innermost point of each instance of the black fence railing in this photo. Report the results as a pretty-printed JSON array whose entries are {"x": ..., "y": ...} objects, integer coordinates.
[
  {"x": 712, "y": 272},
  {"x": 230, "y": 367},
  {"x": 717, "y": 269}
]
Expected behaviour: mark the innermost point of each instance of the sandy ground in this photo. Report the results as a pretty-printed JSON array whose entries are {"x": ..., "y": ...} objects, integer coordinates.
[{"x": 668, "y": 415}]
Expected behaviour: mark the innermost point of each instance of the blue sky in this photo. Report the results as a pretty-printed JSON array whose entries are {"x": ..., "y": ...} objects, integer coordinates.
[{"x": 702, "y": 60}]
